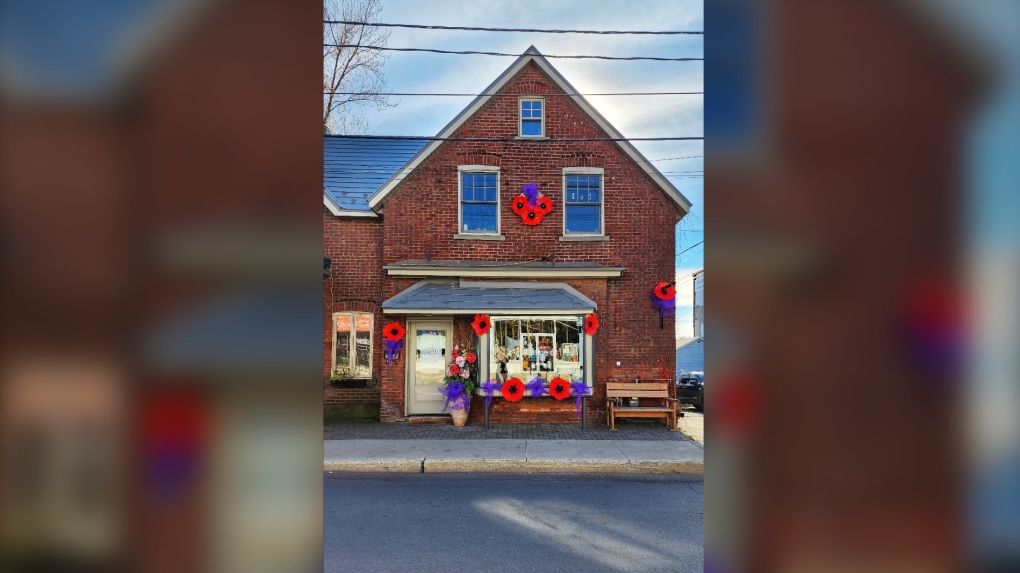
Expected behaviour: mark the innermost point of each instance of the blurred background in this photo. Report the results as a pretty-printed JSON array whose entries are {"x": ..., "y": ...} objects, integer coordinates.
[{"x": 160, "y": 310}]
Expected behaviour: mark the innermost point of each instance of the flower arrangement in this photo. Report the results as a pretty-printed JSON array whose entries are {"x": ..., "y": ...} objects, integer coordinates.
[
  {"x": 531, "y": 205},
  {"x": 459, "y": 380}
]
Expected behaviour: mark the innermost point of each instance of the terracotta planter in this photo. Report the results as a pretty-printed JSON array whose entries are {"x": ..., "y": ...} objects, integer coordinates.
[{"x": 460, "y": 417}]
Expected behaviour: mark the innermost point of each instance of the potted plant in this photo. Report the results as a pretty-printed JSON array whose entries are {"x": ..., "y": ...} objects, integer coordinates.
[
  {"x": 342, "y": 379},
  {"x": 459, "y": 384}
]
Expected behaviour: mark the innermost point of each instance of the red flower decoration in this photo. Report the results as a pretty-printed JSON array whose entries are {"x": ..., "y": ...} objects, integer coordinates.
[
  {"x": 520, "y": 205},
  {"x": 591, "y": 324},
  {"x": 470, "y": 357},
  {"x": 481, "y": 324},
  {"x": 454, "y": 369},
  {"x": 393, "y": 331},
  {"x": 544, "y": 205},
  {"x": 454, "y": 353},
  {"x": 513, "y": 389},
  {"x": 665, "y": 291},
  {"x": 533, "y": 216},
  {"x": 559, "y": 388}
]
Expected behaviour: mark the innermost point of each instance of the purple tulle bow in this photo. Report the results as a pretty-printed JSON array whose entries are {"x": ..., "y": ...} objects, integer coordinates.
[
  {"x": 490, "y": 387},
  {"x": 536, "y": 387},
  {"x": 393, "y": 347},
  {"x": 665, "y": 307},
  {"x": 531, "y": 192},
  {"x": 456, "y": 396},
  {"x": 580, "y": 389}
]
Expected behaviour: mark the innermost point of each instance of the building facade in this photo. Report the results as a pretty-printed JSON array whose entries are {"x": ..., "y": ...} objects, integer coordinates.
[{"x": 429, "y": 234}]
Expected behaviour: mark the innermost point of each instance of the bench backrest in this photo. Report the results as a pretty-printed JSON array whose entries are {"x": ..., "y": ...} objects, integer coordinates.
[{"x": 637, "y": 390}]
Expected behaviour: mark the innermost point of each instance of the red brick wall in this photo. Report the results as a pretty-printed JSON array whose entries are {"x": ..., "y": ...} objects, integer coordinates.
[
  {"x": 355, "y": 247},
  {"x": 421, "y": 220}
]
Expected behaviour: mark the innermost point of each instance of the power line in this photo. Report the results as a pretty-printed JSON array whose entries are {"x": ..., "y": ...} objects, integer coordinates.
[
  {"x": 513, "y": 95},
  {"x": 690, "y": 247},
  {"x": 522, "y": 139},
  {"x": 469, "y": 52},
  {"x": 529, "y": 30}
]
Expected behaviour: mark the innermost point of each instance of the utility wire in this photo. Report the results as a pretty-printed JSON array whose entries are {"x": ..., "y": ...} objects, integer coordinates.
[
  {"x": 548, "y": 139},
  {"x": 513, "y": 95},
  {"x": 690, "y": 247},
  {"x": 469, "y": 52},
  {"x": 530, "y": 30}
]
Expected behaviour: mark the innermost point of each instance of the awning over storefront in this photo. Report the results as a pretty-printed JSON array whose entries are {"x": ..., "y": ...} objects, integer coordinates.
[{"x": 446, "y": 297}]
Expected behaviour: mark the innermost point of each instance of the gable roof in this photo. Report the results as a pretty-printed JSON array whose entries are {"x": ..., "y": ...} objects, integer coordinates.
[
  {"x": 352, "y": 169},
  {"x": 376, "y": 200}
]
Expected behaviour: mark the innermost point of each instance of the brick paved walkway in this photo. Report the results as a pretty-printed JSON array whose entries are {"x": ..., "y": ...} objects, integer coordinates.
[{"x": 626, "y": 430}]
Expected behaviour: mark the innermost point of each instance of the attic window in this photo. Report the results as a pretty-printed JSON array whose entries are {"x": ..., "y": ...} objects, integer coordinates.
[{"x": 532, "y": 117}]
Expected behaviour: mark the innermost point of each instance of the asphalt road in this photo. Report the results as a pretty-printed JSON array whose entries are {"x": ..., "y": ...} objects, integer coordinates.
[{"x": 451, "y": 523}]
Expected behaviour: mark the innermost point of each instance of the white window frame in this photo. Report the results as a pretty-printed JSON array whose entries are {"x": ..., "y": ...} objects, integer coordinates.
[
  {"x": 487, "y": 369},
  {"x": 520, "y": 117},
  {"x": 461, "y": 169},
  {"x": 602, "y": 199},
  {"x": 354, "y": 343}
]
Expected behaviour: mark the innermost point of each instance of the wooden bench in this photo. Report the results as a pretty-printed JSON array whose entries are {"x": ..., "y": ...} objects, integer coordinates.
[{"x": 641, "y": 390}]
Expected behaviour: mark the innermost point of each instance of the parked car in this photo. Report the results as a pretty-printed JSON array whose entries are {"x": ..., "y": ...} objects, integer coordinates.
[{"x": 690, "y": 389}]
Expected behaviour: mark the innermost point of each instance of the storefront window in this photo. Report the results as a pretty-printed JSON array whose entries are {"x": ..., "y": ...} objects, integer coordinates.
[
  {"x": 353, "y": 346},
  {"x": 546, "y": 347}
]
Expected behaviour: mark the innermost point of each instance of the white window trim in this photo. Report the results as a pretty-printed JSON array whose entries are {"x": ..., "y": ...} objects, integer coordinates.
[
  {"x": 354, "y": 346},
  {"x": 602, "y": 199},
  {"x": 520, "y": 117},
  {"x": 460, "y": 207}
]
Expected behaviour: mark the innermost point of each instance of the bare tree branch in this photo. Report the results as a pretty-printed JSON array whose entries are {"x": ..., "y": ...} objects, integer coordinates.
[{"x": 352, "y": 68}]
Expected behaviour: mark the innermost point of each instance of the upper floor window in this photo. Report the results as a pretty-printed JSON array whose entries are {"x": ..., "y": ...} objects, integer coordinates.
[
  {"x": 479, "y": 199},
  {"x": 583, "y": 200},
  {"x": 532, "y": 117}
]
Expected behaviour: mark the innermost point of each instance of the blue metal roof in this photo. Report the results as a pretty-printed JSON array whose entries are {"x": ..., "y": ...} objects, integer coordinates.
[
  {"x": 468, "y": 298},
  {"x": 352, "y": 169}
]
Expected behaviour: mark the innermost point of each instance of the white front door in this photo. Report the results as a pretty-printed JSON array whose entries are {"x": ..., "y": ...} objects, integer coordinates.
[{"x": 427, "y": 359}]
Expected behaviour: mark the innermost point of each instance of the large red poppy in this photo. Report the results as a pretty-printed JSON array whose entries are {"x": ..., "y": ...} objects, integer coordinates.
[
  {"x": 520, "y": 205},
  {"x": 559, "y": 388},
  {"x": 533, "y": 216},
  {"x": 481, "y": 324},
  {"x": 393, "y": 331},
  {"x": 544, "y": 204},
  {"x": 513, "y": 389},
  {"x": 470, "y": 357},
  {"x": 591, "y": 324},
  {"x": 665, "y": 291}
]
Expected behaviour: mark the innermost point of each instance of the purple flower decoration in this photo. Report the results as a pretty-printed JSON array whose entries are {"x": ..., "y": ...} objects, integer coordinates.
[
  {"x": 456, "y": 396},
  {"x": 665, "y": 307},
  {"x": 393, "y": 347},
  {"x": 490, "y": 387},
  {"x": 531, "y": 192},
  {"x": 580, "y": 389},
  {"x": 536, "y": 387}
]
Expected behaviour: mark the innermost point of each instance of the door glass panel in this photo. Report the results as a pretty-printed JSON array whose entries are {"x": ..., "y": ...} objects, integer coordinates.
[{"x": 430, "y": 356}]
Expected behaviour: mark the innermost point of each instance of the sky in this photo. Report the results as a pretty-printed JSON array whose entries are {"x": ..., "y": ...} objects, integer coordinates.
[{"x": 633, "y": 116}]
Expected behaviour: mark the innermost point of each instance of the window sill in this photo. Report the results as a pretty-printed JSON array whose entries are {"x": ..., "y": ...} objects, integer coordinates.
[
  {"x": 532, "y": 137},
  {"x": 584, "y": 238},
  {"x": 478, "y": 237}
]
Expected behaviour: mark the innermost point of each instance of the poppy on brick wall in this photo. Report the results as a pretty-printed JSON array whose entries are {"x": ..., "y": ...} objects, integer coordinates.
[
  {"x": 520, "y": 205},
  {"x": 393, "y": 331},
  {"x": 513, "y": 389},
  {"x": 559, "y": 388},
  {"x": 665, "y": 291},
  {"x": 544, "y": 205},
  {"x": 533, "y": 216},
  {"x": 591, "y": 324},
  {"x": 481, "y": 324}
]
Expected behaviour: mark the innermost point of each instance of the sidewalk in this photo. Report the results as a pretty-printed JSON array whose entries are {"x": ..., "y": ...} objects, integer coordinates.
[{"x": 545, "y": 448}]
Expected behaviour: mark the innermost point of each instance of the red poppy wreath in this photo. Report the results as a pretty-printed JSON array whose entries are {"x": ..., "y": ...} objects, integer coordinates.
[
  {"x": 530, "y": 205},
  {"x": 559, "y": 388},
  {"x": 513, "y": 389},
  {"x": 481, "y": 324},
  {"x": 665, "y": 291},
  {"x": 393, "y": 331},
  {"x": 591, "y": 324},
  {"x": 520, "y": 205},
  {"x": 533, "y": 216}
]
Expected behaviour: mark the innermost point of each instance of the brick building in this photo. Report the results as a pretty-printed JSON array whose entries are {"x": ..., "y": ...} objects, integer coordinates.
[{"x": 424, "y": 233}]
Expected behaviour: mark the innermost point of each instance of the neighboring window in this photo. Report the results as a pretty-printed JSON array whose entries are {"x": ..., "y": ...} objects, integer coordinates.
[
  {"x": 532, "y": 118},
  {"x": 545, "y": 347},
  {"x": 352, "y": 344},
  {"x": 583, "y": 203},
  {"x": 479, "y": 201}
]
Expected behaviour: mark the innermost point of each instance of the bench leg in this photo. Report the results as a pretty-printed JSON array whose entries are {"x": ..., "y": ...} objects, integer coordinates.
[
  {"x": 612, "y": 417},
  {"x": 584, "y": 412}
]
